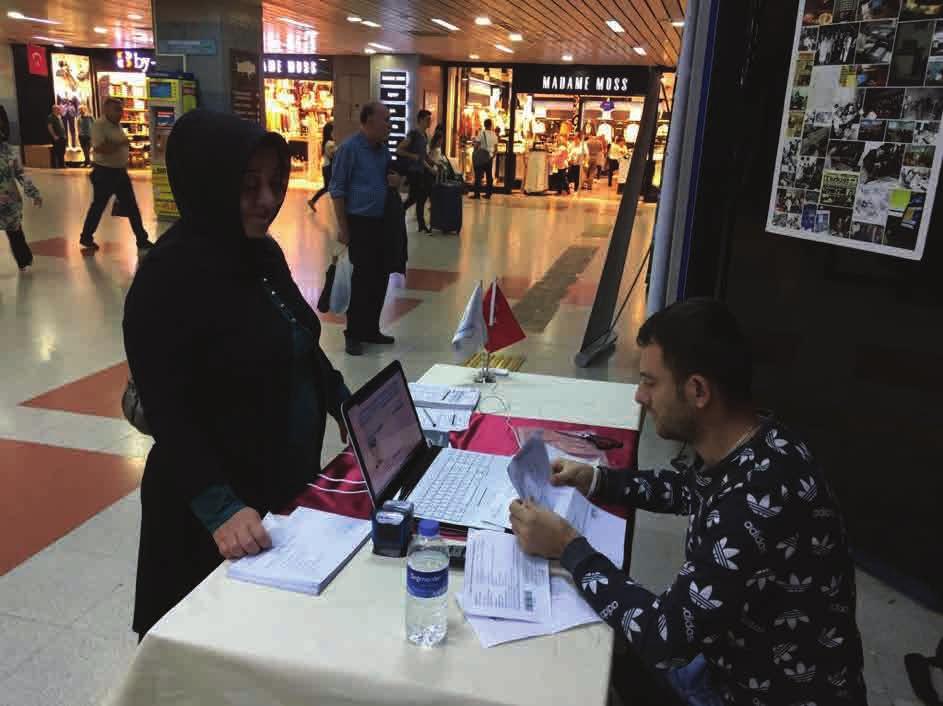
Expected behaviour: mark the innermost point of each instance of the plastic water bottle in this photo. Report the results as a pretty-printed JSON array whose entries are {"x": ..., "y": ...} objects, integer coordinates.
[{"x": 427, "y": 586}]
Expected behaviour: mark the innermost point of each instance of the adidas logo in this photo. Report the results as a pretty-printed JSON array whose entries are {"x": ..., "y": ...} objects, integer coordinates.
[
  {"x": 723, "y": 554},
  {"x": 713, "y": 518},
  {"x": 808, "y": 489},
  {"x": 687, "y": 568},
  {"x": 628, "y": 623},
  {"x": 746, "y": 456},
  {"x": 804, "y": 452},
  {"x": 663, "y": 627},
  {"x": 791, "y": 618},
  {"x": 789, "y": 545},
  {"x": 644, "y": 488},
  {"x": 801, "y": 674},
  {"x": 783, "y": 652},
  {"x": 838, "y": 679},
  {"x": 794, "y": 585},
  {"x": 775, "y": 443},
  {"x": 756, "y": 685},
  {"x": 592, "y": 581},
  {"x": 760, "y": 578},
  {"x": 832, "y": 589},
  {"x": 702, "y": 597},
  {"x": 762, "y": 507},
  {"x": 734, "y": 640},
  {"x": 829, "y": 639},
  {"x": 607, "y": 612},
  {"x": 821, "y": 547}
]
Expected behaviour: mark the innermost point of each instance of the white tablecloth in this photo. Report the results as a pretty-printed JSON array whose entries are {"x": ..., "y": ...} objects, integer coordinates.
[{"x": 245, "y": 645}]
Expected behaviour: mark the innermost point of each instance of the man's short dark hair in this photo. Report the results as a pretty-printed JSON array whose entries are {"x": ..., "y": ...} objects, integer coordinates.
[
  {"x": 422, "y": 114},
  {"x": 113, "y": 101},
  {"x": 368, "y": 110},
  {"x": 488, "y": 123},
  {"x": 702, "y": 337}
]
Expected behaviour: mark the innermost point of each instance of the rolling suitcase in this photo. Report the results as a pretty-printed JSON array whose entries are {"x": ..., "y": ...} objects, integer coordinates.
[{"x": 447, "y": 206}]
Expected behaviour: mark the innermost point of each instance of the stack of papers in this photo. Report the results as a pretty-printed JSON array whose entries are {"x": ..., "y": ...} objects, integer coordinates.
[
  {"x": 510, "y": 596},
  {"x": 309, "y": 548},
  {"x": 443, "y": 396}
]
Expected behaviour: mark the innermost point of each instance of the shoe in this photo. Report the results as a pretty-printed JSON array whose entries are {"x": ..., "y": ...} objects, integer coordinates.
[
  {"x": 487, "y": 198},
  {"x": 379, "y": 339},
  {"x": 145, "y": 246},
  {"x": 89, "y": 244},
  {"x": 25, "y": 268},
  {"x": 474, "y": 197},
  {"x": 353, "y": 347}
]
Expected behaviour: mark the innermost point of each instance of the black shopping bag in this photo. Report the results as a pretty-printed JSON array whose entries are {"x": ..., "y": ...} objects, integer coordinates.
[{"x": 324, "y": 301}]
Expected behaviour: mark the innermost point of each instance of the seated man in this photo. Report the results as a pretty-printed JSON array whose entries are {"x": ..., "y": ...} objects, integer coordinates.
[{"x": 763, "y": 609}]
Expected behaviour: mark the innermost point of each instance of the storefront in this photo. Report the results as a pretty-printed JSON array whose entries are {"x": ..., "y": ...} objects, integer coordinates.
[
  {"x": 299, "y": 102},
  {"x": 536, "y": 108},
  {"x": 122, "y": 74}
]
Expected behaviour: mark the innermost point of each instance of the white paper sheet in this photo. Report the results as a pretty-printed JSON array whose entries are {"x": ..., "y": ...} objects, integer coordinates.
[
  {"x": 443, "y": 396},
  {"x": 445, "y": 420},
  {"x": 568, "y": 610},
  {"x": 529, "y": 472},
  {"x": 501, "y": 581}
]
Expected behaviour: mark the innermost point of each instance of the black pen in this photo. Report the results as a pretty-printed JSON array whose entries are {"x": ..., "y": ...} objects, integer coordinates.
[{"x": 429, "y": 416}]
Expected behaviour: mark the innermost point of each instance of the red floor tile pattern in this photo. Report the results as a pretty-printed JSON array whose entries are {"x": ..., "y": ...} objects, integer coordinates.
[
  {"x": 394, "y": 310},
  {"x": 49, "y": 491},
  {"x": 98, "y": 394},
  {"x": 429, "y": 280}
]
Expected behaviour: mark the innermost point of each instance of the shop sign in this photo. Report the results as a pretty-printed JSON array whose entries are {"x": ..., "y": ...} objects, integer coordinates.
[
  {"x": 130, "y": 60},
  {"x": 189, "y": 47},
  {"x": 303, "y": 67},
  {"x": 599, "y": 81},
  {"x": 394, "y": 87}
]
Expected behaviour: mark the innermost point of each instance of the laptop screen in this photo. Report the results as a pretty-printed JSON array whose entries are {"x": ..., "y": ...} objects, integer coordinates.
[{"x": 385, "y": 430}]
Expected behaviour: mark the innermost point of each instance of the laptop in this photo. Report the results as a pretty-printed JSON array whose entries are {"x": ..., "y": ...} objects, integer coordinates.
[{"x": 458, "y": 488}]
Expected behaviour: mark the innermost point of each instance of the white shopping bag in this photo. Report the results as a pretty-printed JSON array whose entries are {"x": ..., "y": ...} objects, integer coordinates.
[
  {"x": 340, "y": 290},
  {"x": 397, "y": 280}
]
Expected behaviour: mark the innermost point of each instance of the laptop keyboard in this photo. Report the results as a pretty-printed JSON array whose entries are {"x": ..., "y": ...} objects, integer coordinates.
[{"x": 454, "y": 486}]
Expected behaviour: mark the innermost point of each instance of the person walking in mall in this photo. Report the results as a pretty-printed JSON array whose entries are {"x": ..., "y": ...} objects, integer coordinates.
[
  {"x": 359, "y": 180},
  {"x": 328, "y": 148},
  {"x": 483, "y": 158},
  {"x": 56, "y": 129},
  {"x": 763, "y": 608},
  {"x": 595, "y": 151},
  {"x": 110, "y": 177},
  {"x": 11, "y": 203},
  {"x": 414, "y": 149},
  {"x": 616, "y": 153},
  {"x": 86, "y": 122},
  {"x": 577, "y": 154},
  {"x": 225, "y": 355}
]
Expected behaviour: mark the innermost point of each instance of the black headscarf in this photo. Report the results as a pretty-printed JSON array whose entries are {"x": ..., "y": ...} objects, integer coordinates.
[{"x": 207, "y": 157}]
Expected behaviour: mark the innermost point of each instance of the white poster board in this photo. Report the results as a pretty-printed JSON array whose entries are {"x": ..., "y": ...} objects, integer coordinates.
[{"x": 860, "y": 146}]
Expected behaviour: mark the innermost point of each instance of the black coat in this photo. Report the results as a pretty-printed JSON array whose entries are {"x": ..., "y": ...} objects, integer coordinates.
[{"x": 211, "y": 357}]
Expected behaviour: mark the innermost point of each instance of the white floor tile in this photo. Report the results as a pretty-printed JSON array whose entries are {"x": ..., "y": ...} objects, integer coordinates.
[{"x": 20, "y": 639}]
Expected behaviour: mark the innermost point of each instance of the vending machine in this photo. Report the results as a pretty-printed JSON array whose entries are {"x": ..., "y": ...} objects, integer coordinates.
[{"x": 170, "y": 94}]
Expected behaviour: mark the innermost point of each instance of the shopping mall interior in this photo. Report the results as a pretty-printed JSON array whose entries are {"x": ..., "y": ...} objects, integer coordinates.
[{"x": 645, "y": 152}]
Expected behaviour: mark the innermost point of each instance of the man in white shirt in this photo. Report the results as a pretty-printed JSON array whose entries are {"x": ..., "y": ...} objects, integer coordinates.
[
  {"x": 110, "y": 177},
  {"x": 486, "y": 142}
]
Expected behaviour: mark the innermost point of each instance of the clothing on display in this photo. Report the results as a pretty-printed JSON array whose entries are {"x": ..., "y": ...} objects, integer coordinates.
[{"x": 298, "y": 110}]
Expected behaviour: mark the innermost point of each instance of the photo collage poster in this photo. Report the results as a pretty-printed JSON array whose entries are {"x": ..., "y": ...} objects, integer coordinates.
[{"x": 860, "y": 149}]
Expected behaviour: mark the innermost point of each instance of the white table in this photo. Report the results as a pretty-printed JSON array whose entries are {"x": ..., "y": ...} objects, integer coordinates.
[{"x": 240, "y": 644}]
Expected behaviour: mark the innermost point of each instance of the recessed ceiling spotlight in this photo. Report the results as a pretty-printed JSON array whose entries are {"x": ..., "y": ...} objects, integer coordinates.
[
  {"x": 482, "y": 21},
  {"x": 442, "y": 23},
  {"x": 135, "y": 17},
  {"x": 506, "y": 50},
  {"x": 381, "y": 47},
  {"x": 368, "y": 23},
  {"x": 15, "y": 15},
  {"x": 296, "y": 23},
  {"x": 615, "y": 26},
  {"x": 368, "y": 50},
  {"x": 354, "y": 18},
  {"x": 101, "y": 30},
  {"x": 516, "y": 37},
  {"x": 58, "y": 45},
  {"x": 677, "y": 23},
  {"x": 567, "y": 57},
  {"x": 640, "y": 51},
  {"x": 473, "y": 56}
]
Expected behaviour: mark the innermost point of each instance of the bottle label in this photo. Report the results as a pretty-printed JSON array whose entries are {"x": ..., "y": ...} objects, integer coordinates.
[{"x": 427, "y": 584}]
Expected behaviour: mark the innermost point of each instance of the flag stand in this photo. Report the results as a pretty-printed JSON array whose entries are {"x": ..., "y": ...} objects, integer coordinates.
[{"x": 484, "y": 373}]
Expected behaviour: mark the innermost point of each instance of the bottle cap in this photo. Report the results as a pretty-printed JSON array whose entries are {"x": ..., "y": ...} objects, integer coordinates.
[{"x": 428, "y": 528}]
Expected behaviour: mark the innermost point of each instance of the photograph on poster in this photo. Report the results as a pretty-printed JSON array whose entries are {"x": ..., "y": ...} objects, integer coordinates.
[
  {"x": 809, "y": 173},
  {"x": 876, "y": 42},
  {"x": 878, "y": 9},
  {"x": 818, "y": 12},
  {"x": 871, "y": 203},
  {"x": 846, "y": 117},
  {"x": 867, "y": 232},
  {"x": 882, "y": 162},
  {"x": 871, "y": 75},
  {"x": 900, "y": 131},
  {"x": 790, "y": 200},
  {"x": 883, "y": 103},
  {"x": 915, "y": 178},
  {"x": 837, "y": 44},
  {"x": 927, "y": 133},
  {"x": 796, "y": 123},
  {"x": 807, "y": 222},
  {"x": 919, "y": 156},
  {"x": 790, "y": 155},
  {"x": 815, "y": 141},
  {"x": 818, "y": 118},
  {"x": 921, "y": 9},
  {"x": 848, "y": 78},
  {"x": 844, "y": 156},
  {"x": 804, "y": 65},
  {"x": 923, "y": 104},
  {"x": 839, "y": 221},
  {"x": 838, "y": 189},
  {"x": 821, "y": 221},
  {"x": 936, "y": 47},
  {"x": 871, "y": 130},
  {"x": 911, "y": 51},
  {"x": 800, "y": 99},
  {"x": 809, "y": 39},
  {"x": 935, "y": 72},
  {"x": 844, "y": 10}
]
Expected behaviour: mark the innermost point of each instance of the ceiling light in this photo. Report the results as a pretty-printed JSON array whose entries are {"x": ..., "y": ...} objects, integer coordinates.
[
  {"x": 506, "y": 50},
  {"x": 135, "y": 17},
  {"x": 567, "y": 57},
  {"x": 58, "y": 45},
  {"x": 482, "y": 21},
  {"x": 615, "y": 26},
  {"x": 42, "y": 38},
  {"x": 101, "y": 30},
  {"x": 103, "y": 44},
  {"x": 368, "y": 50},
  {"x": 368, "y": 23},
  {"x": 640, "y": 51},
  {"x": 516, "y": 37},
  {"x": 383, "y": 47},
  {"x": 14, "y": 15},
  {"x": 473, "y": 56},
  {"x": 678, "y": 23},
  {"x": 442, "y": 23},
  {"x": 296, "y": 23},
  {"x": 354, "y": 18}
]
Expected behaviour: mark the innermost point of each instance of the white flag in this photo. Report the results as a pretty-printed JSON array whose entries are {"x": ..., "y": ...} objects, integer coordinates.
[{"x": 472, "y": 333}]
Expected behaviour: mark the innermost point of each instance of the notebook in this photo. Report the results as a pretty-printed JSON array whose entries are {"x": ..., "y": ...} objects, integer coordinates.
[
  {"x": 444, "y": 397},
  {"x": 309, "y": 548}
]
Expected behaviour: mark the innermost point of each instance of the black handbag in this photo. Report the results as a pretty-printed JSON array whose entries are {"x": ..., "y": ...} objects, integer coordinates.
[
  {"x": 324, "y": 301},
  {"x": 133, "y": 409}
]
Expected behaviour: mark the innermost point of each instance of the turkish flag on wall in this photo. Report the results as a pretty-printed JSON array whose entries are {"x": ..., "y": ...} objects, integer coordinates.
[
  {"x": 503, "y": 329},
  {"x": 38, "y": 63}
]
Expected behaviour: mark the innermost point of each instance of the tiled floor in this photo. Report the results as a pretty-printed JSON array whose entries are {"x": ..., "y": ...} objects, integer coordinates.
[{"x": 69, "y": 464}]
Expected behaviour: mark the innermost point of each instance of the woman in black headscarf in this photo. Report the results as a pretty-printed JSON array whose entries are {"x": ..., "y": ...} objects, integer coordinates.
[{"x": 224, "y": 351}]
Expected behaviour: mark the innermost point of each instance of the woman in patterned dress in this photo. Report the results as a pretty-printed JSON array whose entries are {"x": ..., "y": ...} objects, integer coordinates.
[{"x": 11, "y": 203}]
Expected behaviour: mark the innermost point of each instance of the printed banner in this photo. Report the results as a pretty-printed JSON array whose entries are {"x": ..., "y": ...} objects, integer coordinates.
[{"x": 860, "y": 150}]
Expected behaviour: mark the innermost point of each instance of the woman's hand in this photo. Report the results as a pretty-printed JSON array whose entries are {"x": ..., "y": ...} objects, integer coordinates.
[{"x": 242, "y": 534}]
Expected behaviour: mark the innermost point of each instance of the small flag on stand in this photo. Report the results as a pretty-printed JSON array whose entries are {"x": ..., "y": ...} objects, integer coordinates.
[
  {"x": 472, "y": 333},
  {"x": 503, "y": 328}
]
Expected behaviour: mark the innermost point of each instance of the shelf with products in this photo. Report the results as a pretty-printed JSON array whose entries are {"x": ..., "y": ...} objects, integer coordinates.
[
  {"x": 131, "y": 89},
  {"x": 298, "y": 109}
]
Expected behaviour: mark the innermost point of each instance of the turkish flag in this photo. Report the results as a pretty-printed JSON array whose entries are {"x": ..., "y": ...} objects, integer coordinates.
[
  {"x": 38, "y": 63},
  {"x": 503, "y": 329}
]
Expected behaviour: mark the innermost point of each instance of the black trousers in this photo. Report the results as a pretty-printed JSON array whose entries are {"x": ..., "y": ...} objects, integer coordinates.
[
  {"x": 108, "y": 182},
  {"x": 574, "y": 172},
  {"x": 419, "y": 188},
  {"x": 613, "y": 169},
  {"x": 370, "y": 277},
  {"x": 326, "y": 174},
  {"x": 86, "y": 142},
  {"x": 58, "y": 153},
  {"x": 21, "y": 252},
  {"x": 488, "y": 172}
]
